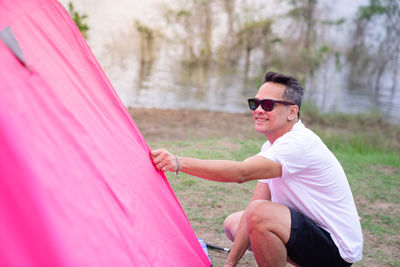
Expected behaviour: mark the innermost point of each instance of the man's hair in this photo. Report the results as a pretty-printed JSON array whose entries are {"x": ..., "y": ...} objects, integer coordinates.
[{"x": 293, "y": 92}]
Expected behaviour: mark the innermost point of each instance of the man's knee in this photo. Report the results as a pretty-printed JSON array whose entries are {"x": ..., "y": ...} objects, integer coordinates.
[
  {"x": 257, "y": 214},
  {"x": 231, "y": 223},
  {"x": 266, "y": 216}
]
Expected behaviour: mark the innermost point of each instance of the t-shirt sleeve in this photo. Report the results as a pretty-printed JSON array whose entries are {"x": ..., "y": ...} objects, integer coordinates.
[{"x": 289, "y": 153}]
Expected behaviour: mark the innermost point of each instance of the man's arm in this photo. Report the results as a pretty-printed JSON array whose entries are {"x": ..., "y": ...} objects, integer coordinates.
[
  {"x": 253, "y": 168},
  {"x": 242, "y": 240}
]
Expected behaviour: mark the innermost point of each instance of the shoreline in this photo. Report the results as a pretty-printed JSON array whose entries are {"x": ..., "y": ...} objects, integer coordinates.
[{"x": 182, "y": 124}]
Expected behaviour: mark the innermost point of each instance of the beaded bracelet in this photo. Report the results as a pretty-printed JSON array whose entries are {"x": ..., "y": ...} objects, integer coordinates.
[{"x": 178, "y": 165}]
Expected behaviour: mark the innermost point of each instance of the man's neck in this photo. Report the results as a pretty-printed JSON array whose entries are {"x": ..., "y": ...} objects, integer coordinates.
[{"x": 273, "y": 136}]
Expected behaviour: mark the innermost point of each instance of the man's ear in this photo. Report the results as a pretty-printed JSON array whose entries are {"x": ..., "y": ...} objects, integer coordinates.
[{"x": 293, "y": 111}]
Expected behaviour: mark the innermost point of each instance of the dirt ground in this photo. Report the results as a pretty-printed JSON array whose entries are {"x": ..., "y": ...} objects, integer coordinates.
[{"x": 167, "y": 124}]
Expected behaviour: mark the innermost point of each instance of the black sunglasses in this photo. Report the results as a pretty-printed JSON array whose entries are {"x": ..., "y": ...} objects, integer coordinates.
[{"x": 266, "y": 104}]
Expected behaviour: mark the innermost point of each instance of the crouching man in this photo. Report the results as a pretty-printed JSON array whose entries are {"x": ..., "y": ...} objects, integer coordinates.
[{"x": 302, "y": 209}]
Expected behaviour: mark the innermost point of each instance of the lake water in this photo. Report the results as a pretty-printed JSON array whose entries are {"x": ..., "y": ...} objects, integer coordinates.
[{"x": 166, "y": 83}]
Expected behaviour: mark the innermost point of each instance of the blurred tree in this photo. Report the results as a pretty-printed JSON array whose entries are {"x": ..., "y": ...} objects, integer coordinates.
[
  {"x": 304, "y": 13},
  {"x": 301, "y": 42},
  {"x": 254, "y": 39},
  {"x": 180, "y": 21},
  {"x": 227, "y": 52},
  {"x": 79, "y": 20},
  {"x": 147, "y": 50},
  {"x": 305, "y": 47},
  {"x": 254, "y": 34},
  {"x": 375, "y": 53},
  {"x": 146, "y": 39},
  {"x": 193, "y": 27},
  {"x": 229, "y": 8}
]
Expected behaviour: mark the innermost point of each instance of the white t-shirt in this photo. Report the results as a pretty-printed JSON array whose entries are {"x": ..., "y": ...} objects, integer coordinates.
[{"x": 313, "y": 182}]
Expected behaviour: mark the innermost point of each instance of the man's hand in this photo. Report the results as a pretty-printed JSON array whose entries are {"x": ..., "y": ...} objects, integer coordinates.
[{"x": 164, "y": 160}]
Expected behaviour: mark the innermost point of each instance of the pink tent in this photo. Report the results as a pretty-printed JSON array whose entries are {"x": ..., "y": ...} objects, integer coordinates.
[{"x": 77, "y": 186}]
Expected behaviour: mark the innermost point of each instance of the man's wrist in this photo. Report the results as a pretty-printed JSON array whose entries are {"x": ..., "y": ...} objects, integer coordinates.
[{"x": 178, "y": 165}]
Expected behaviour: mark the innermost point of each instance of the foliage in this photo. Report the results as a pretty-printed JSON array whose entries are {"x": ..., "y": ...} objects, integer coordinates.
[
  {"x": 251, "y": 39},
  {"x": 375, "y": 8},
  {"x": 79, "y": 20},
  {"x": 193, "y": 22},
  {"x": 308, "y": 48},
  {"x": 254, "y": 34},
  {"x": 299, "y": 38},
  {"x": 375, "y": 53},
  {"x": 303, "y": 12},
  {"x": 146, "y": 36}
]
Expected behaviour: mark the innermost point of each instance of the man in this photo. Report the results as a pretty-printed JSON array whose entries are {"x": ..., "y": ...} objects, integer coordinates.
[{"x": 302, "y": 209}]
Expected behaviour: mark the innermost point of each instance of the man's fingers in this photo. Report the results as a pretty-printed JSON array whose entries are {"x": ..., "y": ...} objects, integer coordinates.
[
  {"x": 155, "y": 153},
  {"x": 160, "y": 159}
]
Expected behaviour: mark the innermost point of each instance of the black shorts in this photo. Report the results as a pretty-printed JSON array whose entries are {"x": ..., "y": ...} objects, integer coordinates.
[{"x": 310, "y": 245}]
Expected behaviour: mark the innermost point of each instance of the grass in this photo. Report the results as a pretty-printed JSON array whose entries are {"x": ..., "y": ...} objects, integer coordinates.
[
  {"x": 368, "y": 150},
  {"x": 375, "y": 182}
]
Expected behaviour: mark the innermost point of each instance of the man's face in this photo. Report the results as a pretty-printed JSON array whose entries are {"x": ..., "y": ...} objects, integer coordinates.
[{"x": 271, "y": 123}]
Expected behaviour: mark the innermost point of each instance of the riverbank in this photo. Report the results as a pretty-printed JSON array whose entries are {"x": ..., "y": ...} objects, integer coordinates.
[{"x": 168, "y": 124}]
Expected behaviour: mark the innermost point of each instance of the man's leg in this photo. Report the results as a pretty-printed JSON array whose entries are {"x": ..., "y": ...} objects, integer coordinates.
[
  {"x": 231, "y": 224},
  {"x": 263, "y": 215},
  {"x": 268, "y": 225}
]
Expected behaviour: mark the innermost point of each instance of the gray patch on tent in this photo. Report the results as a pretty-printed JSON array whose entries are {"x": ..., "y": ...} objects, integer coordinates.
[{"x": 9, "y": 39}]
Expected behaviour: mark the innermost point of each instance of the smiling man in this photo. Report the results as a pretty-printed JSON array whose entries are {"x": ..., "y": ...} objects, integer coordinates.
[{"x": 302, "y": 209}]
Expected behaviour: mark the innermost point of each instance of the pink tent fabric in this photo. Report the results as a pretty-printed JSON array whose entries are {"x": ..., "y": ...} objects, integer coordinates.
[{"x": 77, "y": 186}]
